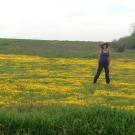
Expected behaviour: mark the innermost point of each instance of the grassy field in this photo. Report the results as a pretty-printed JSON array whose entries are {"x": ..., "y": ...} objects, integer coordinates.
[
  {"x": 46, "y": 48},
  {"x": 42, "y": 81},
  {"x": 53, "y": 93}
]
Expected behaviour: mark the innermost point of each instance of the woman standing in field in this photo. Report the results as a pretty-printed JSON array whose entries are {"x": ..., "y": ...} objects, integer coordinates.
[{"x": 103, "y": 62}]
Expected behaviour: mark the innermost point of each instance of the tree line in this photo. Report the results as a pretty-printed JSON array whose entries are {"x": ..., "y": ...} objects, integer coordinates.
[{"x": 123, "y": 43}]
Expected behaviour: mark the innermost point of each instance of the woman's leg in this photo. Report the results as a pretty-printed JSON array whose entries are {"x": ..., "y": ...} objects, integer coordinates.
[
  {"x": 99, "y": 69},
  {"x": 106, "y": 67}
]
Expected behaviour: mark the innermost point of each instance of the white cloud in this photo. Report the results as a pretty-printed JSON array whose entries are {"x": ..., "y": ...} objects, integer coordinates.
[{"x": 66, "y": 19}]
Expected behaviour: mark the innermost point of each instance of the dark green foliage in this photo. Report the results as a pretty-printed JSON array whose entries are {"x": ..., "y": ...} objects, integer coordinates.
[
  {"x": 68, "y": 120},
  {"x": 119, "y": 47},
  {"x": 124, "y": 42}
]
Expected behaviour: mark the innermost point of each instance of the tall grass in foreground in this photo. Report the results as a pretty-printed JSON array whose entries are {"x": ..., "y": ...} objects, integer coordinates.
[{"x": 67, "y": 120}]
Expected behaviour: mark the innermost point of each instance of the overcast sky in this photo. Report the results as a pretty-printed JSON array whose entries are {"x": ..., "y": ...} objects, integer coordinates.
[{"x": 66, "y": 19}]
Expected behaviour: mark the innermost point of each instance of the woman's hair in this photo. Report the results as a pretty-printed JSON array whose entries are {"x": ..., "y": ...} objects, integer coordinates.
[{"x": 104, "y": 44}]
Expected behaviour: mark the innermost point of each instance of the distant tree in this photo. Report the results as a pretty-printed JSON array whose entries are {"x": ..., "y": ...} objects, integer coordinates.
[
  {"x": 121, "y": 48},
  {"x": 119, "y": 45},
  {"x": 127, "y": 42},
  {"x": 114, "y": 43},
  {"x": 132, "y": 28}
]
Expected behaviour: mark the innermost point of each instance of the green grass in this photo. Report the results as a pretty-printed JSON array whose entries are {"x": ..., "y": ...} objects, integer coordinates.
[
  {"x": 46, "y": 48},
  {"x": 67, "y": 120}
]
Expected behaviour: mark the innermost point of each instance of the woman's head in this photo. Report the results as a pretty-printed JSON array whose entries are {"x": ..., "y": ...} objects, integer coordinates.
[{"x": 104, "y": 46}]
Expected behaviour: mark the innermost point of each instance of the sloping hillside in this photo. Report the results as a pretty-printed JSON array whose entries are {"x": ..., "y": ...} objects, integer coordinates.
[{"x": 48, "y": 48}]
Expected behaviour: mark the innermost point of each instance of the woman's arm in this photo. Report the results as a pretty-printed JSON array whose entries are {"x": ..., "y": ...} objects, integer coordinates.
[
  {"x": 109, "y": 59},
  {"x": 99, "y": 56}
]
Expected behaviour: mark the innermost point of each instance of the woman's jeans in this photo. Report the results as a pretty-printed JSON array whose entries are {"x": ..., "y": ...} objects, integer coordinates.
[{"x": 99, "y": 69}]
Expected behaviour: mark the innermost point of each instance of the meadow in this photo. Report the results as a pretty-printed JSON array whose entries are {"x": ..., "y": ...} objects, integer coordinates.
[{"x": 53, "y": 93}]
